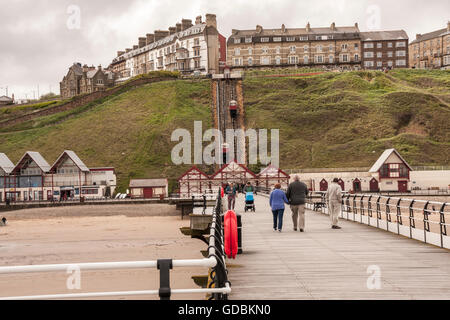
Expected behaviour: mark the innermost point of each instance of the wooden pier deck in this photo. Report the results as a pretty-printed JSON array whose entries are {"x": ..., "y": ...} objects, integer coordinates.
[{"x": 323, "y": 263}]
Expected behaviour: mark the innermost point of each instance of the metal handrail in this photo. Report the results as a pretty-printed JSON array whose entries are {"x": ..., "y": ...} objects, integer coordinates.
[
  {"x": 412, "y": 211},
  {"x": 215, "y": 261}
]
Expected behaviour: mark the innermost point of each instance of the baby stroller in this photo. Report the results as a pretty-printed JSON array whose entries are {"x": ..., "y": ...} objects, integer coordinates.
[{"x": 249, "y": 202}]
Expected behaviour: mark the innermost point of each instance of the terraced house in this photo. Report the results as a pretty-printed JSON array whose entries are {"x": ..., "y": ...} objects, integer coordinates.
[
  {"x": 431, "y": 50},
  {"x": 187, "y": 48},
  {"x": 332, "y": 47},
  {"x": 384, "y": 49},
  {"x": 84, "y": 79}
]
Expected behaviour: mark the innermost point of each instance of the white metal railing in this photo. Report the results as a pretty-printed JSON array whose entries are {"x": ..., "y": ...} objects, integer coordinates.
[
  {"x": 422, "y": 220},
  {"x": 215, "y": 260}
]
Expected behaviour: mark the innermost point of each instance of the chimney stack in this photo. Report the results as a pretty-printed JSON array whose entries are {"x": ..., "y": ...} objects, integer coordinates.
[
  {"x": 142, "y": 42},
  {"x": 119, "y": 53},
  {"x": 178, "y": 26},
  {"x": 127, "y": 50},
  {"x": 150, "y": 38},
  {"x": 333, "y": 26},
  {"x": 198, "y": 20},
  {"x": 259, "y": 28},
  {"x": 418, "y": 35},
  {"x": 356, "y": 25},
  {"x": 100, "y": 67},
  {"x": 186, "y": 24},
  {"x": 135, "y": 47},
  {"x": 234, "y": 31},
  {"x": 172, "y": 30},
  {"x": 283, "y": 28},
  {"x": 448, "y": 26},
  {"x": 308, "y": 27},
  {"x": 211, "y": 20},
  {"x": 160, "y": 34}
]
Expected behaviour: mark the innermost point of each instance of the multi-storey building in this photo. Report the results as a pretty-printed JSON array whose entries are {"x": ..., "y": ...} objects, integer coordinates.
[
  {"x": 333, "y": 47},
  {"x": 431, "y": 50},
  {"x": 186, "y": 48},
  {"x": 384, "y": 49},
  {"x": 84, "y": 79}
]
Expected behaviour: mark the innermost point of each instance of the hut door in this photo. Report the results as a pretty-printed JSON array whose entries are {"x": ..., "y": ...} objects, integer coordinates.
[
  {"x": 403, "y": 186},
  {"x": 323, "y": 185},
  {"x": 148, "y": 193},
  {"x": 341, "y": 183},
  {"x": 356, "y": 185},
  {"x": 374, "y": 185}
]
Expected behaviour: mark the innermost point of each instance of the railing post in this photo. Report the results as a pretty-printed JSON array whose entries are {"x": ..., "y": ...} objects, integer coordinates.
[
  {"x": 361, "y": 201},
  {"x": 355, "y": 208},
  {"x": 388, "y": 213},
  {"x": 412, "y": 222},
  {"x": 164, "y": 266},
  {"x": 378, "y": 211},
  {"x": 426, "y": 224},
  {"x": 399, "y": 215},
  {"x": 442, "y": 225},
  {"x": 369, "y": 209},
  {"x": 347, "y": 201}
]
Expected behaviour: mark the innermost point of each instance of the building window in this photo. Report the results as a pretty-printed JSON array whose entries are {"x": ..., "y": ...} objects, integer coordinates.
[
  {"x": 319, "y": 48},
  {"x": 390, "y": 63},
  {"x": 278, "y": 60},
  {"x": 379, "y": 54},
  {"x": 237, "y": 51},
  {"x": 379, "y": 45},
  {"x": 379, "y": 64},
  {"x": 344, "y": 46},
  {"x": 305, "y": 48},
  {"x": 250, "y": 51},
  {"x": 331, "y": 47},
  {"x": 293, "y": 60},
  {"x": 248, "y": 39},
  {"x": 368, "y": 45},
  {"x": 400, "y": 44},
  {"x": 401, "y": 53},
  {"x": 390, "y": 54},
  {"x": 368, "y": 64},
  {"x": 330, "y": 59},
  {"x": 356, "y": 57},
  {"x": 319, "y": 59},
  {"x": 277, "y": 39},
  {"x": 290, "y": 39},
  {"x": 368, "y": 54},
  {"x": 401, "y": 63},
  {"x": 265, "y": 50},
  {"x": 237, "y": 61},
  {"x": 277, "y": 50},
  {"x": 292, "y": 49},
  {"x": 356, "y": 46},
  {"x": 250, "y": 61},
  {"x": 344, "y": 58},
  {"x": 303, "y": 38},
  {"x": 305, "y": 59},
  {"x": 237, "y": 40},
  {"x": 265, "y": 39},
  {"x": 265, "y": 60}
]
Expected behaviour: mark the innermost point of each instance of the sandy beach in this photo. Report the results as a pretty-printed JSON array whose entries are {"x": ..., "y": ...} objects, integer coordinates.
[{"x": 96, "y": 234}]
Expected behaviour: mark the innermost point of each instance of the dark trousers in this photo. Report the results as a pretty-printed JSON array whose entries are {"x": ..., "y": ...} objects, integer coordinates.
[{"x": 278, "y": 219}]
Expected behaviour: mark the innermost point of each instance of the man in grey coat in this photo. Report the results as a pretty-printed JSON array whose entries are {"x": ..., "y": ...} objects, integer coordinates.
[
  {"x": 334, "y": 200},
  {"x": 296, "y": 194}
]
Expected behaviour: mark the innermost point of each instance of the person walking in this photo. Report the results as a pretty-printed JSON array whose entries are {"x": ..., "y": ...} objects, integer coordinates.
[
  {"x": 277, "y": 201},
  {"x": 296, "y": 194},
  {"x": 334, "y": 200},
  {"x": 231, "y": 192},
  {"x": 248, "y": 187}
]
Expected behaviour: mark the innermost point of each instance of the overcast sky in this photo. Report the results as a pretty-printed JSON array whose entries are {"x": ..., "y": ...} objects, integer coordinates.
[{"x": 40, "y": 39}]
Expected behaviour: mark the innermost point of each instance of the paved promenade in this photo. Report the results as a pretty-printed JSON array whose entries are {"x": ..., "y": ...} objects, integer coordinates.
[{"x": 323, "y": 263}]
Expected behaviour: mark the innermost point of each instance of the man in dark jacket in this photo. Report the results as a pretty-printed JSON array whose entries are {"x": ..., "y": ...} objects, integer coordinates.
[{"x": 296, "y": 194}]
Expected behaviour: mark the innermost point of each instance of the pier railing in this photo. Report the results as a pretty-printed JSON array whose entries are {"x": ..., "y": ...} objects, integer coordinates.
[
  {"x": 218, "y": 287},
  {"x": 422, "y": 220}
]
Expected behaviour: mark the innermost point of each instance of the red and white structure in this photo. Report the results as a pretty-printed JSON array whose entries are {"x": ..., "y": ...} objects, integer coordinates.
[{"x": 272, "y": 175}]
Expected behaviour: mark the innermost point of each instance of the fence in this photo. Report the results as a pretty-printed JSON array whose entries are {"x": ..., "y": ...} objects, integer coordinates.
[
  {"x": 219, "y": 287},
  {"x": 417, "y": 219}
]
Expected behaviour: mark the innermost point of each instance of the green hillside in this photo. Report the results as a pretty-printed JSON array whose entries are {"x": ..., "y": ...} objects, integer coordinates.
[
  {"x": 348, "y": 119},
  {"x": 328, "y": 120},
  {"x": 130, "y": 131}
]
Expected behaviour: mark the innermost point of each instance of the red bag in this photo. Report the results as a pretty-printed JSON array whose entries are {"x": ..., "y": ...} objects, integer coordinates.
[{"x": 230, "y": 234}]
